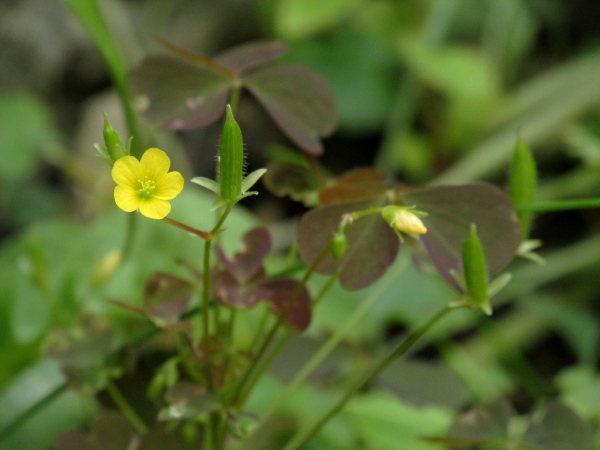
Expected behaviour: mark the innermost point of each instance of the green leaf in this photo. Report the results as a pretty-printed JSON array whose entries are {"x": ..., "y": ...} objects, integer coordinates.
[
  {"x": 207, "y": 183},
  {"x": 523, "y": 182},
  {"x": 458, "y": 71},
  {"x": 251, "y": 179},
  {"x": 298, "y": 182},
  {"x": 559, "y": 428},
  {"x": 296, "y": 19},
  {"x": 25, "y": 129}
]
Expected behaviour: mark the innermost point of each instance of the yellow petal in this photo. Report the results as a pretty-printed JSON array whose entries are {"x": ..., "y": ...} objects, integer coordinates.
[
  {"x": 126, "y": 198},
  {"x": 155, "y": 163},
  {"x": 127, "y": 171},
  {"x": 169, "y": 186},
  {"x": 155, "y": 208}
]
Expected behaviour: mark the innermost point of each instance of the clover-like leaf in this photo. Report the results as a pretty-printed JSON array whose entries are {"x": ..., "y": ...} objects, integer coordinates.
[
  {"x": 246, "y": 264},
  {"x": 240, "y": 295},
  {"x": 166, "y": 297},
  {"x": 358, "y": 184},
  {"x": 188, "y": 400},
  {"x": 560, "y": 428},
  {"x": 372, "y": 244},
  {"x": 82, "y": 350},
  {"x": 297, "y": 181},
  {"x": 297, "y": 315},
  {"x": 179, "y": 94},
  {"x": 450, "y": 212},
  {"x": 249, "y": 56},
  {"x": 298, "y": 101},
  {"x": 487, "y": 424}
]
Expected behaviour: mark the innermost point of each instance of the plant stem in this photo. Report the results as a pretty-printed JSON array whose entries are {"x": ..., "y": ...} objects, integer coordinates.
[
  {"x": 301, "y": 438},
  {"x": 561, "y": 205},
  {"x": 125, "y": 407},
  {"x": 335, "y": 339},
  {"x": 202, "y": 234},
  {"x": 280, "y": 319}
]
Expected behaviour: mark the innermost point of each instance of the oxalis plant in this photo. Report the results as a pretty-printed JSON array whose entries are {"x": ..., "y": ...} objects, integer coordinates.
[
  {"x": 353, "y": 232},
  {"x": 221, "y": 327}
]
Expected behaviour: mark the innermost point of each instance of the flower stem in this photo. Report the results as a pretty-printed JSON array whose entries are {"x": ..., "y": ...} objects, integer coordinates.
[
  {"x": 125, "y": 407},
  {"x": 267, "y": 360},
  {"x": 280, "y": 319},
  {"x": 202, "y": 234},
  {"x": 301, "y": 438},
  {"x": 335, "y": 339},
  {"x": 561, "y": 205}
]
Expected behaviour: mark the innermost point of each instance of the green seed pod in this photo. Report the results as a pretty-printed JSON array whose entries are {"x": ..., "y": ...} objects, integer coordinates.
[
  {"x": 339, "y": 245},
  {"x": 523, "y": 181},
  {"x": 113, "y": 144},
  {"x": 231, "y": 159},
  {"x": 476, "y": 279}
]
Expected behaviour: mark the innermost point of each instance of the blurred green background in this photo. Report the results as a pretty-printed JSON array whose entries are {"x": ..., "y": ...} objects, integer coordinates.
[{"x": 429, "y": 91}]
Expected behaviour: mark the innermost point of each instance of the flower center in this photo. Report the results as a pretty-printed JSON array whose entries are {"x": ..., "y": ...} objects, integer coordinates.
[{"x": 146, "y": 188}]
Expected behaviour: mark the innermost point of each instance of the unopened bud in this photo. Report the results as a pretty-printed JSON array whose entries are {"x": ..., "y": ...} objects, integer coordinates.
[
  {"x": 403, "y": 220},
  {"x": 339, "y": 245}
]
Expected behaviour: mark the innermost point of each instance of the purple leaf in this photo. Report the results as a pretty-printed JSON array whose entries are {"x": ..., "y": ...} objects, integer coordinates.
[
  {"x": 298, "y": 101},
  {"x": 246, "y": 57},
  {"x": 299, "y": 182},
  {"x": 178, "y": 94},
  {"x": 451, "y": 211},
  {"x": 358, "y": 184},
  {"x": 188, "y": 400},
  {"x": 372, "y": 244},
  {"x": 234, "y": 294},
  {"x": 281, "y": 290},
  {"x": 246, "y": 264},
  {"x": 166, "y": 297}
]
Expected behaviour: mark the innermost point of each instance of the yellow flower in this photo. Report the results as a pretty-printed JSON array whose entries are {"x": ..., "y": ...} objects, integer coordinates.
[{"x": 146, "y": 185}]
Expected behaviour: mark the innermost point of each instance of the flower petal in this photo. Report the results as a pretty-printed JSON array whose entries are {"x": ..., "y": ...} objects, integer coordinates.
[
  {"x": 126, "y": 198},
  {"x": 127, "y": 171},
  {"x": 169, "y": 186},
  {"x": 155, "y": 208},
  {"x": 155, "y": 163}
]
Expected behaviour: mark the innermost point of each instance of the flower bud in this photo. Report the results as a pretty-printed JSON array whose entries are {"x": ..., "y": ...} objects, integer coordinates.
[
  {"x": 475, "y": 270},
  {"x": 403, "y": 220},
  {"x": 114, "y": 147},
  {"x": 231, "y": 160},
  {"x": 339, "y": 245}
]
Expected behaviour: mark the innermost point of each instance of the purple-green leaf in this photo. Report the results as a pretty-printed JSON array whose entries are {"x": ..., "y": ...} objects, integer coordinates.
[
  {"x": 372, "y": 244},
  {"x": 450, "y": 212},
  {"x": 246, "y": 57},
  {"x": 358, "y": 184},
  {"x": 298, "y": 101},
  {"x": 281, "y": 290},
  {"x": 246, "y": 264},
  {"x": 179, "y": 94},
  {"x": 299, "y": 182}
]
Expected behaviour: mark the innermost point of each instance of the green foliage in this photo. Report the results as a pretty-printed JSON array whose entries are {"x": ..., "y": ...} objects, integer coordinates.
[{"x": 216, "y": 333}]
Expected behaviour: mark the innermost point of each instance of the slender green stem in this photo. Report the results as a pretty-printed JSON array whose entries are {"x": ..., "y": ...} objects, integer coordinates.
[
  {"x": 23, "y": 417},
  {"x": 260, "y": 328},
  {"x": 562, "y": 205},
  {"x": 125, "y": 407},
  {"x": 341, "y": 332},
  {"x": 301, "y": 438},
  {"x": 275, "y": 351},
  {"x": 234, "y": 96},
  {"x": 280, "y": 319}
]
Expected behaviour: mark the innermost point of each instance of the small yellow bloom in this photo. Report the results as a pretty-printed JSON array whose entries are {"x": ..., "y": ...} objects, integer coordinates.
[{"x": 147, "y": 184}]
